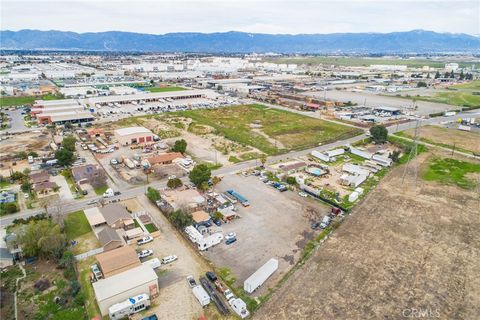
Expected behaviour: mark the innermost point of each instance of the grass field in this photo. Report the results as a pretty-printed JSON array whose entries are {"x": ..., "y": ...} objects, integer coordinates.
[
  {"x": 292, "y": 131},
  {"x": 164, "y": 89},
  {"x": 470, "y": 85},
  {"x": 451, "y": 171},
  {"x": 19, "y": 101},
  {"x": 455, "y": 98},
  {"x": 360, "y": 61},
  {"x": 76, "y": 225}
]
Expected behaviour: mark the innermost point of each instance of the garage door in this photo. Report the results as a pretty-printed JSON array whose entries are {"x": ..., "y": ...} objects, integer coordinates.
[{"x": 141, "y": 140}]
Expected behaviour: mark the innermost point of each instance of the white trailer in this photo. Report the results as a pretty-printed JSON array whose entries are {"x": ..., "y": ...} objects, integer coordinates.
[
  {"x": 320, "y": 156},
  {"x": 335, "y": 152},
  {"x": 464, "y": 128},
  {"x": 361, "y": 153},
  {"x": 383, "y": 161},
  {"x": 132, "y": 305},
  {"x": 201, "y": 295},
  {"x": 260, "y": 276},
  {"x": 210, "y": 241}
]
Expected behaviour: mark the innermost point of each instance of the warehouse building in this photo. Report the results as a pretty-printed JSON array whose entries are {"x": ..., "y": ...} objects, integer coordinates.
[
  {"x": 65, "y": 117},
  {"x": 120, "y": 287},
  {"x": 133, "y": 135}
]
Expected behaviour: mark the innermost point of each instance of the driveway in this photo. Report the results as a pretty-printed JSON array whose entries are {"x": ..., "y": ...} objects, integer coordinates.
[
  {"x": 64, "y": 192},
  {"x": 176, "y": 300}
]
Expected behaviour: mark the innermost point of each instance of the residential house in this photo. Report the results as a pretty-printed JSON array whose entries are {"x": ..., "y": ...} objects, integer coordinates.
[
  {"x": 88, "y": 173},
  {"x": 117, "y": 216},
  {"x": 109, "y": 239}
]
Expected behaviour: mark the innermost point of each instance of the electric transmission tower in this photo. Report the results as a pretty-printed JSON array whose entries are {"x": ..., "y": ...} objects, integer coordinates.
[{"x": 413, "y": 153}]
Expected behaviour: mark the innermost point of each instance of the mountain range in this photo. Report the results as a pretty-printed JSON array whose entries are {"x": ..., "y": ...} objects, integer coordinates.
[{"x": 415, "y": 41}]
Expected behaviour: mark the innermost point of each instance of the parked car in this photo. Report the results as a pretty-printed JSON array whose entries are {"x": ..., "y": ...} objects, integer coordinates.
[
  {"x": 302, "y": 194},
  {"x": 191, "y": 281},
  {"x": 116, "y": 193},
  {"x": 230, "y": 235},
  {"x": 144, "y": 240},
  {"x": 151, "y": 317},
  {"x": 211, "y": 276},
  {"x": 325, "y": 222},
  {"x": 114, "y": 161},
  {"x": 169, "y": 259},
  {"x": 93, "y": 201},
  {"x": 218, "y": 222},
  {"x": 145, "y": 253},
  {"x": 230, "y": 241},
  {"x": 315, "y": 225},
  {"x": 228, "y": 294}
]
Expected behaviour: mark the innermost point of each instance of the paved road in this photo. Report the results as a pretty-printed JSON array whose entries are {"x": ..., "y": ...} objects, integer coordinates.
[
  {"x": 17, "y": 123},
  {"x": 75, "y": 205}
]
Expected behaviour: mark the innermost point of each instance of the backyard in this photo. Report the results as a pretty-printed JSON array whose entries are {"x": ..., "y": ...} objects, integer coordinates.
[{"x": 271, "y": 131}]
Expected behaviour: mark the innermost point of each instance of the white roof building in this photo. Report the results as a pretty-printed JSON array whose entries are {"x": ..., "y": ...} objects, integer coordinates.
[{"x": 122, "y": 286}]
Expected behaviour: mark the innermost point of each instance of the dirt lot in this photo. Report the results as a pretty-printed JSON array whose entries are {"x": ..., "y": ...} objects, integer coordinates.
[
  {"x": 449, "y": 136},
  {"x": 275, "y": 225},
  {"x": 403, "y": 248},
  {"x": 29, "y": 141}
]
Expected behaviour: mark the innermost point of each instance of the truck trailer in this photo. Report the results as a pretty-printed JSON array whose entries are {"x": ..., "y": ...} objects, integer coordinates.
[
  {"x": 260, "y": 276},
  {"x": 201, "y": 295}
]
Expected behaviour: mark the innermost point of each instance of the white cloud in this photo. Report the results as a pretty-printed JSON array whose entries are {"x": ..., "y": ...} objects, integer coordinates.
[{"x": 264, "y": 16}]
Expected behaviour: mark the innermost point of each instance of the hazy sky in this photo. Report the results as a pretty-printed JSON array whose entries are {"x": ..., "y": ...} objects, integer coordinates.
[{"x": 266, "y": 16}]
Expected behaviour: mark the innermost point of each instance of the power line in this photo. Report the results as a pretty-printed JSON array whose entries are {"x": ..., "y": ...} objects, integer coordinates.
[{"x": 413, "y": 153}]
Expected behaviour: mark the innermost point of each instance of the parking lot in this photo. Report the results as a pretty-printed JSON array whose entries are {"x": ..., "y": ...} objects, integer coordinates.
[{"x": 276, "y": 224}]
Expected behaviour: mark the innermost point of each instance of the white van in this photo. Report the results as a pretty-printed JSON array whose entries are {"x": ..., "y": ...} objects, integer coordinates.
[{"x": 153, "y": 263}]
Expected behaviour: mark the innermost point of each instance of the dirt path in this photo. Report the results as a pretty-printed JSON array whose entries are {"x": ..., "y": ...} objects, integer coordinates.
[{"x": 403, "y": 248}]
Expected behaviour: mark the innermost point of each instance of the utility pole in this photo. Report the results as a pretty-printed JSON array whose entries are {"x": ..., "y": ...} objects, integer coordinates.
[
  {"x": 453, "y": 149},
  {"x": 412, "y": 155}
]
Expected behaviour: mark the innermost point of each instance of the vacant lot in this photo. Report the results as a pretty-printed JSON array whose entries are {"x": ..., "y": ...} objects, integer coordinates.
[
  {"x": 453, "y": 172},
  {"x": 456, "y": 98},
  {"x": 275, "y": 131},
  {"x": 403, "y": 248},
  {"x": 359, "y": 61},
  {"x": 275, "y": 225},
  {"x": 25, "y": 100},
  {"x": 468, "y": 141}
]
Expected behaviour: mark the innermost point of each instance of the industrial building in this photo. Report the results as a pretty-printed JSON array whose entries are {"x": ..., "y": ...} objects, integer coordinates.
[
  {"x": 133, "y": 135},
  {"x": 119, "y": 287}
]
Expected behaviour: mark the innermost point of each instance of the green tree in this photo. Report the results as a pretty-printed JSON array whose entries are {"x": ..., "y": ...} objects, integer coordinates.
[
  {"x": 8, "y": 208},
  {"x": 395, "y": 156},
  {"x": 69, "y": 143},
  {"x": 153, "y": 194},
  {"x": 33, "y": 154},
  {"x": 200, "y": 174},
  {"x": 180, "y": 219},
  {"x": 17, "y": 175},
  {"x": 26, "y": 187},
  {"x": 43, "y": 238},
  {"x": 217, "y": 215},
  {"x": 180, "y": 146},
  {"x": 291, "y": 180},
  {"x": 263, "y": 159},
  {"x": 421, "y": 84},
  {"x": 21, "y": 155},
  {"x": 174, "y": 183},
  {"x": 64, "y": 156},
  {"x": 437, "y": 75},
  {"x": 379, "y": 133}
]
